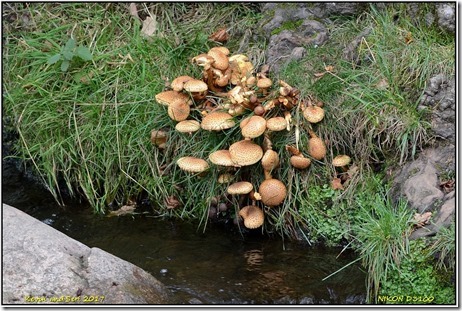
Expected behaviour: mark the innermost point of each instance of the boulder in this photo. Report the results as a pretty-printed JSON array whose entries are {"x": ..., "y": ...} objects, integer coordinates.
[{"x": 44, "y": 266}]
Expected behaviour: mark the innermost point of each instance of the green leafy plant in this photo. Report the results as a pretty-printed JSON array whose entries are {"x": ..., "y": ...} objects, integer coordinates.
[
  {"x": 444, "y": 247},
  {"x": 68, "y": 52},
  {"x": 417, "y": 281},
  {"x": 382, "y": 237}
]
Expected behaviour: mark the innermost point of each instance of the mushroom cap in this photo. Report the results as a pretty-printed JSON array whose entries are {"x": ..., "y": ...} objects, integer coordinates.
[
  {"x": 270, "y": 160},
  {"x": 253, "y": 216},
  {"x": 221, "y": 157},
  {"x": 178, "y": 82},
  {"x": 313, "y": 113},
  {"x": 195, "y": 86},
  {"x": 225, "y": 178},
  {"x": 245, "y": 152},
  {"x": 240, "y": 187},
  {"x": 264, "y": 83},
  {"x": 254, "y": 127},
  {"x": 217, "y": 121},
  {"x": 178, "y": 110},
  {"x": 158, "y": 137},
  {"x": 316, "y": 148},
  {"x": 168, "y": 97},
  {"x": 187, "y": 126},
  {"x": 222, "y": 49},
  {"x": 272, "y": 192},
  {"x": 341, "y": 160},
  {"x": 220, "y": 60},
  {"x": 300, "y": 162},
  {"x": 276, "y": 124},
  {"x": 192, "y": 164}
]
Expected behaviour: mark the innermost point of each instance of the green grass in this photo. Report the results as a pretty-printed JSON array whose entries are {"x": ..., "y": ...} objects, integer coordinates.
[{"x": 99, "y": 113}]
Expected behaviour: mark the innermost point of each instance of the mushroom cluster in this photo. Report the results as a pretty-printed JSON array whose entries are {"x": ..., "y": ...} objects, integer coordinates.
[{"x": 229, "y": 93}]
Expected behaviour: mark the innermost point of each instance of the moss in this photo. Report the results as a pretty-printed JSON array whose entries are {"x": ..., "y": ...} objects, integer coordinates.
[{"x": 289, "y": 25}]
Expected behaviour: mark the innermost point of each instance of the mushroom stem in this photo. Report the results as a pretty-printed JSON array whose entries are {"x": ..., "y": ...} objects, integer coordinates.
[{"x": 267, "y": 174}]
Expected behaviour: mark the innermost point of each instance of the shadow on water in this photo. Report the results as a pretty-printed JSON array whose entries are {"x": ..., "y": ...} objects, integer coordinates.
[{"x": 215, "y": 267}]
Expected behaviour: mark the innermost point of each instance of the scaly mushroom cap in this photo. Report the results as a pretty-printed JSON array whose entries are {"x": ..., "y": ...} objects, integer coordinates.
[
  {"x": 272, "y": 192},
  {"x": 240, "y": 187},
  {"x": 195, "y": 86},
  {"x": 341, "y": 160},
  {"x": 313, "y": 114},
  {"x": 270, "y": 160},
  {"x": 254, "y": 127},
  {"x": 168, "y": 97},
  {"x": 178, "y": 82},
  {"x": 217, "y": 121},
  {"x": 187, "y": 126},
  {"x": 316, "y": 148},
  {"x": 245, "y": 152},
  {"x": 221, "y": 157},
  {"x": 220, "y": 60},
  {"x": 178, "y": 110},
  {"x": 192, "y": 164},
  {"x": 253, "y": 216},
  {"x": 276, "y": 124},
  {"x": 264, "y": 83},
  {"x": 222, "y": 49},
  {"x": 300, "y": 162}
]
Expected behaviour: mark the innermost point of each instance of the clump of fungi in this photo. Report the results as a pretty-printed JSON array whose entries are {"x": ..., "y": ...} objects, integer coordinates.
[{"x": 228, "y": 94}]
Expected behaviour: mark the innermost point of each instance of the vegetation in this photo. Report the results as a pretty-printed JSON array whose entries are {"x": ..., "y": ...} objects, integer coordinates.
[{"x": 84, "y": 116}]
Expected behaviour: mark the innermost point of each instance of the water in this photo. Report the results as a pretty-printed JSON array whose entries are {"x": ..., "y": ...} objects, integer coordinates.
[{"x": 216, "y": 267}]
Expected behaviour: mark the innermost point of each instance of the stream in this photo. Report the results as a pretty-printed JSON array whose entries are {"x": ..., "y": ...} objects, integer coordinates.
[{"x": 217, "y": 266}]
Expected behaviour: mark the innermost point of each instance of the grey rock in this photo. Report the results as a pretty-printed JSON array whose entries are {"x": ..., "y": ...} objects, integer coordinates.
[
  {"x": 350, "y": 52},
  {"x": 418, "y": 181},
  {"x": 281, "y": 46},
  {"x": 439, "y": 99},
  {"x": 41, "y": 264},
  {"x": 446, "y": 13}
]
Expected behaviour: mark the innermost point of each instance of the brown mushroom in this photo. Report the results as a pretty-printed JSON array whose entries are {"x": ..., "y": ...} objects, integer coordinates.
[
  {"x": 197, "y": 88},
  {"x": 178, "y": 110},
  {"x": 217, "y": 121},
  {"x": 187, "y": 126},
  {"x": 300, "y": 162},
  {"x": 225, "y": 178},
  {"x": 221, "y": 157},
  {"x": 272, "y": 192},
  {"x": 264, "y": 84},
  {"x": 316, "y": 147},
  {"x": 240, "y": 187},
  {"x": 245, "y": 152},
  {"x": 178, "y": 83},
  {"x": 341, "y": 160},
  {"x": 276, "y": 124},
  {"x": 221, "y": 61},
  {"x": 168, "y": 97},
  {"x": 253, "y": 216},
  {"x": 254, "y": 127},
  {"x": 159, "y": 138},
  {"x": 313, "y": 113},
  {"x": 192, "y": 164},
  {"x": 270, "y": 160}
]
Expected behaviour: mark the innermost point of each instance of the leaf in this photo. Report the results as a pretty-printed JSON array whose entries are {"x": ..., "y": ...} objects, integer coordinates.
[
  {"x": 84, "y": 53},
  {"x": 65, "y": 65},
  {"x": 70, "y": 45},
  {"x": 54, "y": 59},
  {"x": 68, "y": 55},
  {"x": 149, "y": 27}
]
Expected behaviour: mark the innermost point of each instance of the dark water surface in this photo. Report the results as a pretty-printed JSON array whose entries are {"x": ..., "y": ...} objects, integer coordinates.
[{"x": 216, "y": 267}]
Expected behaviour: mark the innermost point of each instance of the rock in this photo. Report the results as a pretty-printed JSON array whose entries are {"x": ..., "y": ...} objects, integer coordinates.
[
  {"x": 281, "y": 46},
  {"x": 43, "y": 265},
  {"x": 350, "y": 52},
  {"x": 418, "y": 181},
  {"x": 446, "y": 13},
  {"x": 440, "y": 100},
  {"x": 287, "y": 41}
]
